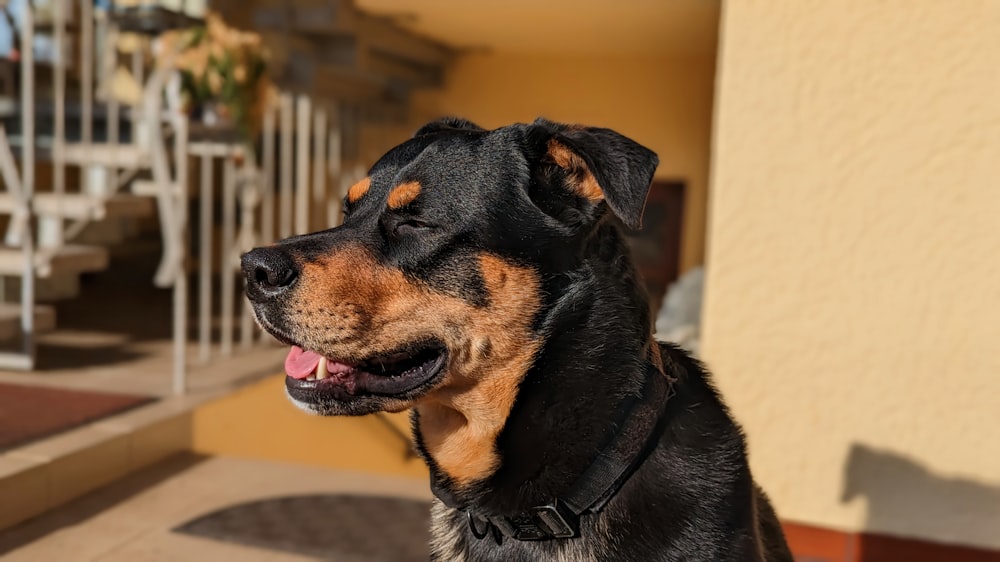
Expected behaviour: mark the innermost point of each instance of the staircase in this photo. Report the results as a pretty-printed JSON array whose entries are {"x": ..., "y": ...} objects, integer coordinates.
[
  {"x": 105, "y": 162},
  {"x": 44, "y": 221}
]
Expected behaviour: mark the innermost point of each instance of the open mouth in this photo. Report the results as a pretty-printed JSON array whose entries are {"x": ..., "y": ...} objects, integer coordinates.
[{"x": 311, "y": 375}]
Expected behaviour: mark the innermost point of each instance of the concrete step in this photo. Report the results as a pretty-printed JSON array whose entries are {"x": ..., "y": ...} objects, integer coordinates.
[
  {"x": 150, "y": 188},
  {"x": 44, "y": 474},
  {"x": 83, "y": 206},
  {"x": 109, "y": 155},
  {"x": 48, "y": 473},
  {"x": 66, "y": 259},
  {"x": 47, "y": 290},
  {"x": 10, "y": 319}
]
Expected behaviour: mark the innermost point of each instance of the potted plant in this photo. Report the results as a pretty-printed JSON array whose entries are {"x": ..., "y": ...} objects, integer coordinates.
[{"x": 224, "y": 81}]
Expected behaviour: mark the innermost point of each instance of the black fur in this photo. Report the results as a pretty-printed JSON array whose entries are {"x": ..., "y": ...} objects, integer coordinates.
[{"x": 498, "y": 192}]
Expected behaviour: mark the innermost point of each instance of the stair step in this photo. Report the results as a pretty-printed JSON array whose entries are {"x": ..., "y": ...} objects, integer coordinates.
[
  {"x": 47, "y": 290},
  {"x": 102, "y": 451},
  {"x": 83, "y": 206},
  {"x": 67, "y": 259},
  {"x": 10, "y": 319},
  {"x": 150, "y": 188},
  {"x": 109, "y": 155}
]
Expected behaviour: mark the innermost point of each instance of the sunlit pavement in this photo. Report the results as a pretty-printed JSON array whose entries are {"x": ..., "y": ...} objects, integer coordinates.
[{"x": 133, "y": 519}]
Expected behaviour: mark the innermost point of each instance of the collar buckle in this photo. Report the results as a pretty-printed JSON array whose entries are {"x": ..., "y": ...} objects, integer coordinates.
[
  {"x": 552, "y": 521},
  {"x": 559, "y": 520}
]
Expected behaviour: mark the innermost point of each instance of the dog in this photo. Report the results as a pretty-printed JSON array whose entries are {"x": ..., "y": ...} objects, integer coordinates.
[{"x": 482, "y": 279}]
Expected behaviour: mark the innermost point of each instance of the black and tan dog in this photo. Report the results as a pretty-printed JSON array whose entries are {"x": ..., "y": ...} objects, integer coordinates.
[{"x": 482, "y": 279}]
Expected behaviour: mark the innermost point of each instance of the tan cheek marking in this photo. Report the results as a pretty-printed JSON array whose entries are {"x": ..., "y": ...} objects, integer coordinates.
[
  {"x": 358, "y": 190},
  {"x": 349, "y": 292},
  {"x": 403, "y": 194},
  {"x": 582, "y": 180},
  {"x": 461, "y": 421},
  {"x": 339, "y": 296}
]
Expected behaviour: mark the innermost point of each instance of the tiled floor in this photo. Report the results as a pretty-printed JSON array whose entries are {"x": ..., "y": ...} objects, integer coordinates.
[
  {"x": 131, "y": 520},
  {"x": 342, "y": 527}
]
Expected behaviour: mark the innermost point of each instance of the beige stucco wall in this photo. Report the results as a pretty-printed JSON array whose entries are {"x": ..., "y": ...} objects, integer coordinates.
[
  {"x": 853, "y": 306},
  {"x": 661, "y": 101}
]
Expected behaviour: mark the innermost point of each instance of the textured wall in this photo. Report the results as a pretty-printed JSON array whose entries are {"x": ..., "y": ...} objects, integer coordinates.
[
  {"x": 853, "y": 306},
  {"x": 663, "y": 102},
  {"x": 259, "y": 422}
]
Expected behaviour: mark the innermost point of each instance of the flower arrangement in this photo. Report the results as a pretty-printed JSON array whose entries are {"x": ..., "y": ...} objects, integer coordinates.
[{"x": 223, "y": 73}]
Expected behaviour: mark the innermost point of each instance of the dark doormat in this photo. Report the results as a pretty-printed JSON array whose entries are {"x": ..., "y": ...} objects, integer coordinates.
[
  {"x": 343, "y": 528},
  {"x": 28, "y": 413}
]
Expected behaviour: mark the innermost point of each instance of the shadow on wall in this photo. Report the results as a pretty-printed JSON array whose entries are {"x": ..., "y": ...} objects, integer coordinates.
[{"x": 904, "y": 498}]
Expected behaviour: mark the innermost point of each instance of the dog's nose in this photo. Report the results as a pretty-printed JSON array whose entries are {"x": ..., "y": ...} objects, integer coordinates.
[{"x": 269, "y": 271}]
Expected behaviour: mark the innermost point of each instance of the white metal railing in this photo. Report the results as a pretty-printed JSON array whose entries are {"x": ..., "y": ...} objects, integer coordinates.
[
  {"x": 22, "y": 186},
  {"x": 304, "y": 141},
  {"x": 292, "y": 185}
]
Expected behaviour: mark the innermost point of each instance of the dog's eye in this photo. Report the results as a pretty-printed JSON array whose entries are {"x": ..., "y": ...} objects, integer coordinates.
[{"x": 411, "y": 226}]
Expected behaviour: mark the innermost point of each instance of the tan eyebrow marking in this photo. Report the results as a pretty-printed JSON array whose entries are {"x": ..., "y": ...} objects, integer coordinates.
[
  {"x": 403, "y": 194},
  {"x": 358, "y": 190}
]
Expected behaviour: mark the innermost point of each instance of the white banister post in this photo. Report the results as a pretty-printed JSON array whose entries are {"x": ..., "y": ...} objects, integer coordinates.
[
  {"x": 285, "y": 196},
  {"x": 225, "y": 262},
  {"x": 205, "y": 256},
  {"x": 335, "y": 155},
  {"x": 268, "y": 183},
  {"x": 110, "y": 60},
  {"x": 249, "y": 202},
  {"x": 86, "y": 70},
  {"x": 28, "y": 183},
  {"x": 181, "y": 276},
  {"x": 59, "y": 8},
  {"x": 302, "y": 130},
  {"x": 317, "y": 213}
]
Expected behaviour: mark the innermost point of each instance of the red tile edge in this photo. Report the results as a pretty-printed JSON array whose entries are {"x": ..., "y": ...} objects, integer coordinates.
[
  {"x": 879, "y": 548},
  {"x": 817, "y": 544}
]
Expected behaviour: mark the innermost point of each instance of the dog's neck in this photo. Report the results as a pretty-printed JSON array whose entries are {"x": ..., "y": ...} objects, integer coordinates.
[{"x": 597, "y": 328}]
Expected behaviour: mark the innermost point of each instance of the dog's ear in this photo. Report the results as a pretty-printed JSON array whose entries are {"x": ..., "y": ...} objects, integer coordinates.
[
  {"x": 447, "y": 124},
  {"x": 598, "y": 165}
]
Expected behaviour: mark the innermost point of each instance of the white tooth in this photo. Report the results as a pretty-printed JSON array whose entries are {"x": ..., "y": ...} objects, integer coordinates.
[
  {"x": 311, "y": 377},
  {"x": 321, "y": 372}
]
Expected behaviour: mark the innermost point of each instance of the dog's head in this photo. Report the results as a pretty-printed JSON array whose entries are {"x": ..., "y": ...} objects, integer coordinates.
[{"x": 433, "y": 285}]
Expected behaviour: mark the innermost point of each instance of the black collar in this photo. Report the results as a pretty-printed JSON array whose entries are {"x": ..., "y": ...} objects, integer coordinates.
[{"x": 642, "y": 420}]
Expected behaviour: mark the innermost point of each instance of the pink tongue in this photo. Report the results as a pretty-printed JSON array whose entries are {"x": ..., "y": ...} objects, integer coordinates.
[{"x": 300, "y": 363}]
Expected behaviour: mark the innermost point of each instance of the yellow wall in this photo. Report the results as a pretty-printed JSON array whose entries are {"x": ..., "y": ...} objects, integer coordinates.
[
  {"x": 663, "y": 102},
  {"x": 853, "y": 306},
  {"x": 260, "y": 422}
]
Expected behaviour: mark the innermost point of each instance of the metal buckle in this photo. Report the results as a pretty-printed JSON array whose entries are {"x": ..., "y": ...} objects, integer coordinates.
[
  {"x": 552, "y": 521},
  {"x": 524, "y": 528},
  {"x": 560, "y": 522}
]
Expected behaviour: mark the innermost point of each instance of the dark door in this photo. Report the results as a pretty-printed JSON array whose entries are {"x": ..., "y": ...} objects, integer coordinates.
[{"x": 656, "y": 248}]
